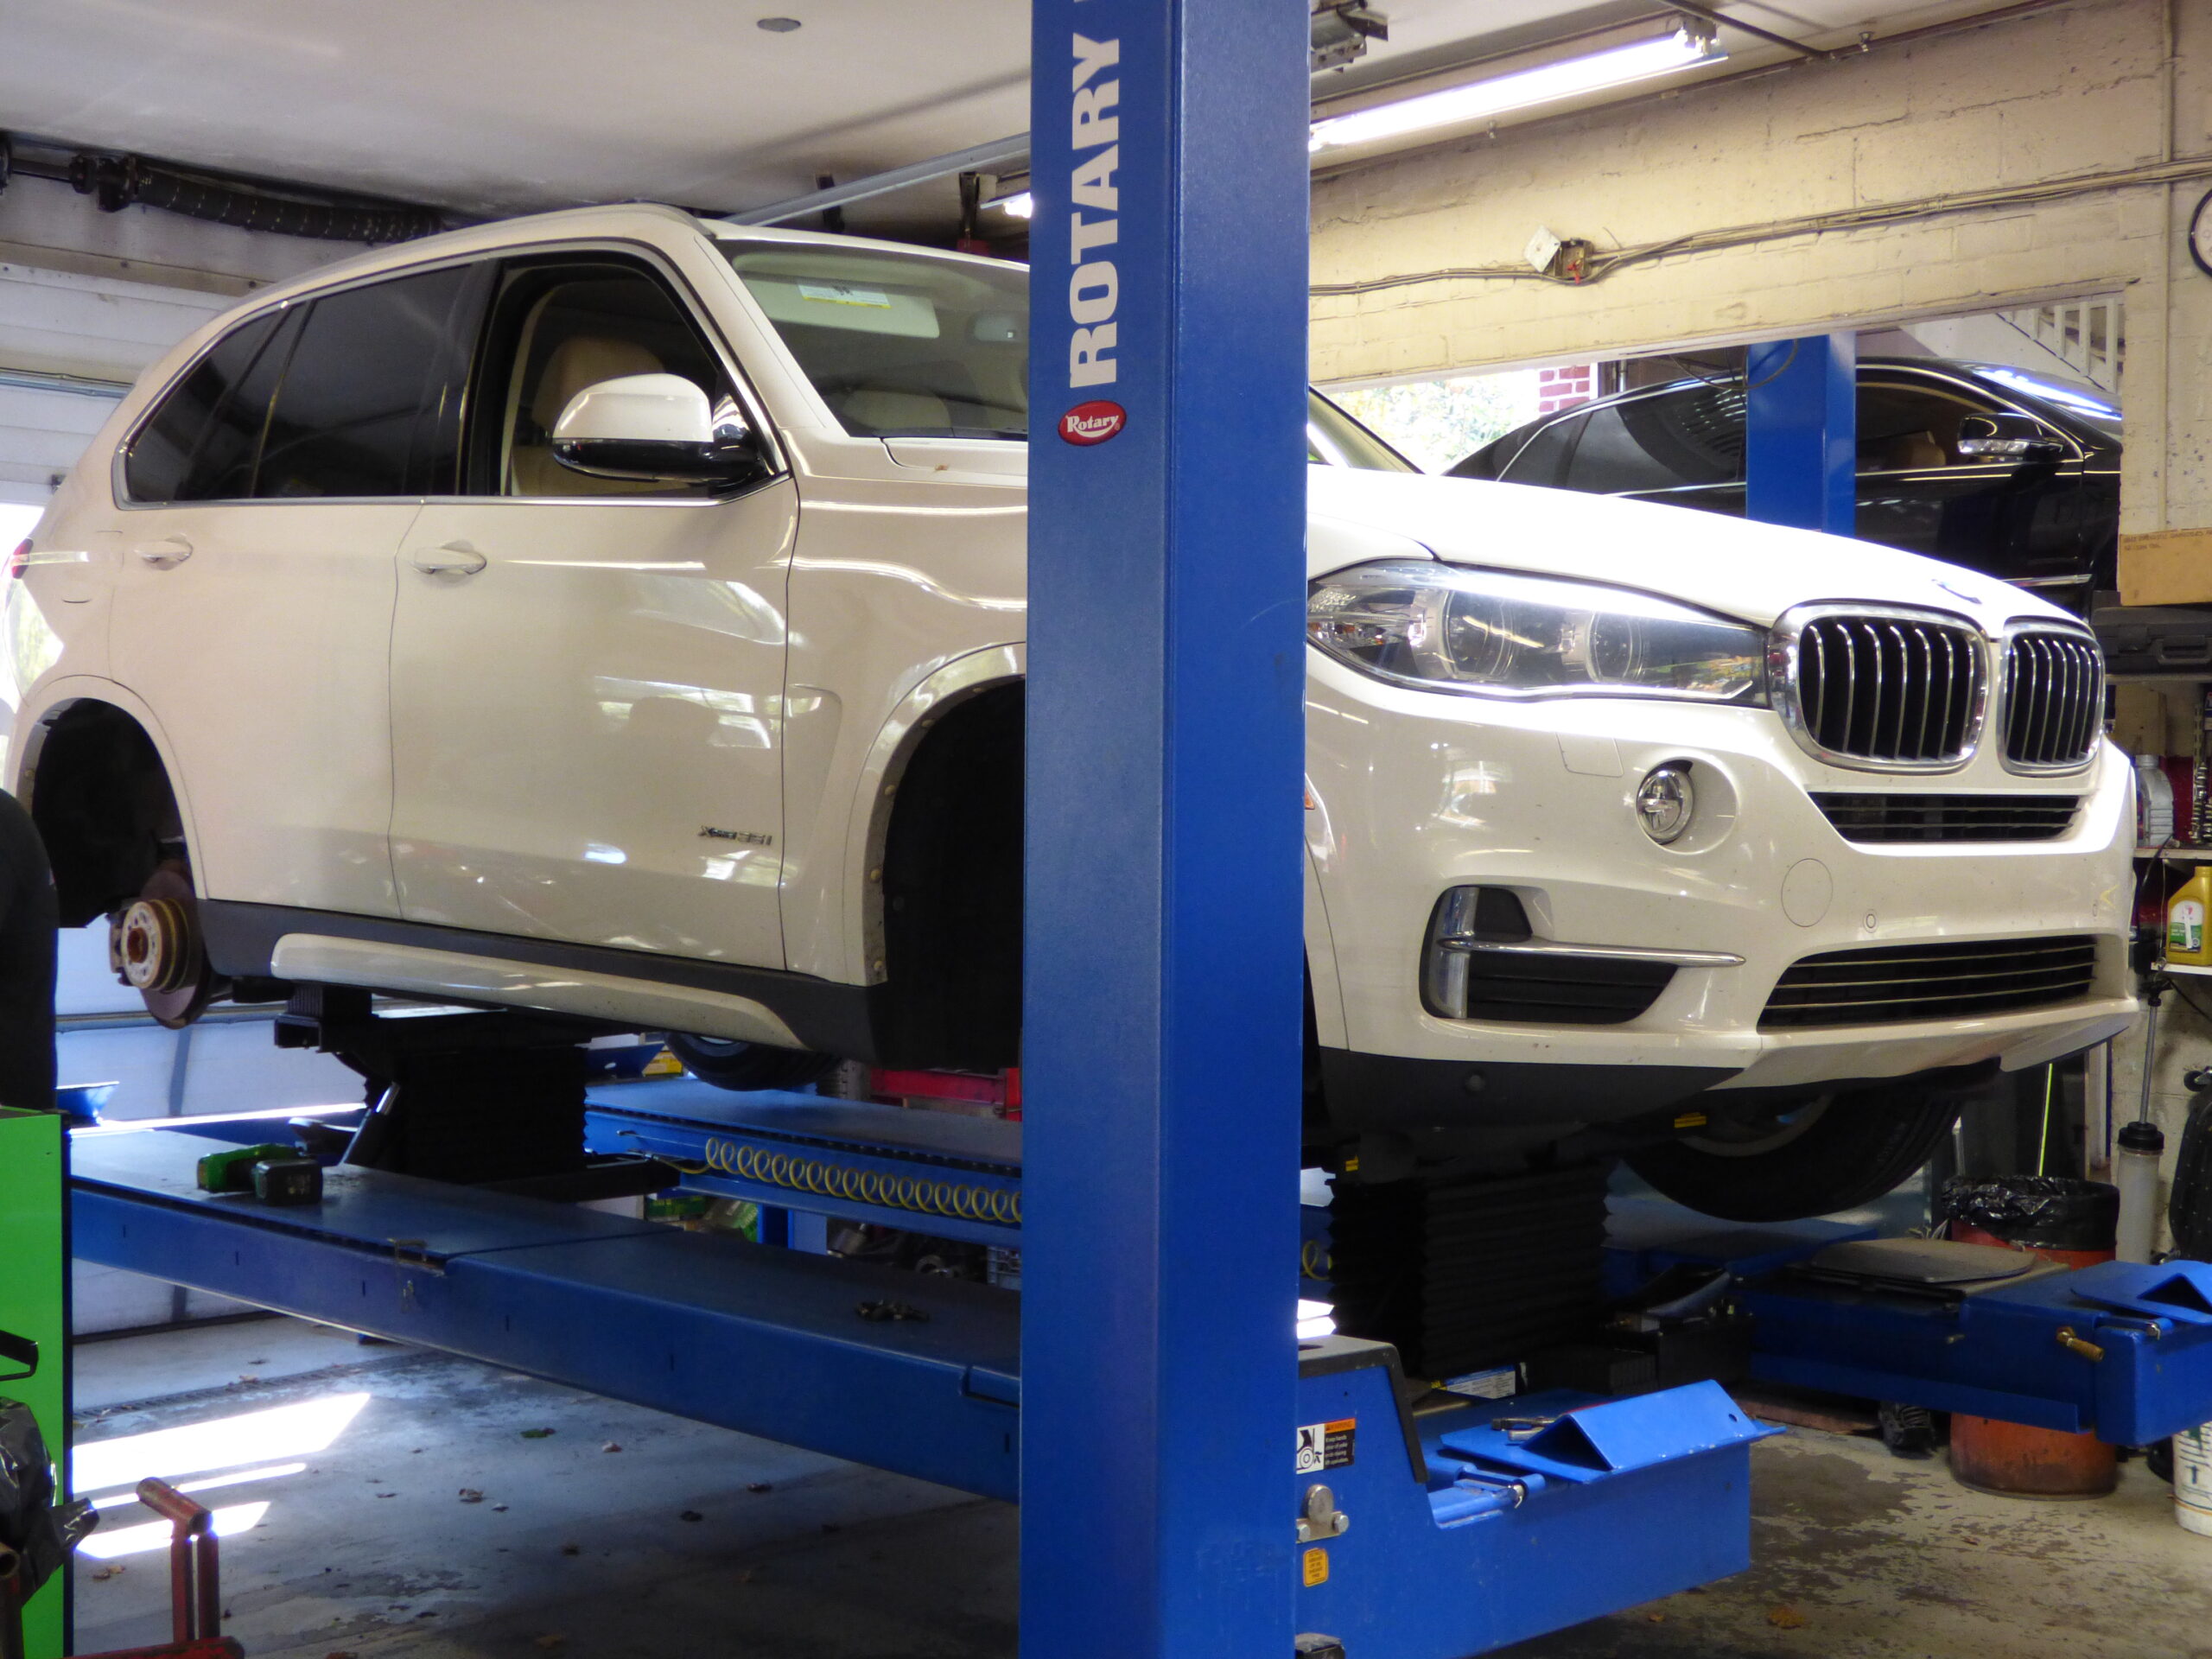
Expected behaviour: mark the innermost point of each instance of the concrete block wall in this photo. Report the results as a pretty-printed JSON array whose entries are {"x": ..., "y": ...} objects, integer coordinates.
[{"x": 2081, "y": 89}]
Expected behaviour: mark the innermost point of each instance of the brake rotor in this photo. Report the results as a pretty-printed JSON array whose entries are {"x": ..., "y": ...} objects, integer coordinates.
[{"x": 154, "y": 946}]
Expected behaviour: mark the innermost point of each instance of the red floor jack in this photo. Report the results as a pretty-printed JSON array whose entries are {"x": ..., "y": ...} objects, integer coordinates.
[{"x": 195, "y": 1586}]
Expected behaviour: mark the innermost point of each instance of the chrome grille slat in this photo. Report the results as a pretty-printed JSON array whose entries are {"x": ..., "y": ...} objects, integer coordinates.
[
  {"x": 1890, "y": 984},
  {"x": 2054, "y": 700},
  {"x": 1887, "y": 690}
]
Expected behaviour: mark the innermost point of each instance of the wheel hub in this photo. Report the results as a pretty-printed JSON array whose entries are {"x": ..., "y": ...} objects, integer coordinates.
[{"x": 154, "y": 948}]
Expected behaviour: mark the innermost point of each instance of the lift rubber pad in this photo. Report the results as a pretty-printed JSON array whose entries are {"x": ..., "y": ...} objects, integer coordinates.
[{"x": 771, "y": 1342}]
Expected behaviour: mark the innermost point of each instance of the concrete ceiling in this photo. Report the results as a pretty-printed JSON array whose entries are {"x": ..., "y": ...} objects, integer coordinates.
[{"x": 501, "y": 106}]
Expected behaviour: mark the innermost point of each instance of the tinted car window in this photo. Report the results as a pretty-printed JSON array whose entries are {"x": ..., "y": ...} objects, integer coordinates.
[
  {"x": 1691, "y": 436},
  {"x": 1904, "y": 428},
  {"x": 346, "y": 414},
  {"x": 201, "y": 442},
  {"x": 1543, "y": 459},
  {"x": 559, "y": 328}
]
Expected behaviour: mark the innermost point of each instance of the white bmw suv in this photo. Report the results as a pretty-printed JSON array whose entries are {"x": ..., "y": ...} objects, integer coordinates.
[{"x": 620, "y": 614}]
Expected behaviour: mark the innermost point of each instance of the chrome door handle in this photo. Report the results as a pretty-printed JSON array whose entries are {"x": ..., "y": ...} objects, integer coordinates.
[
  {"x": 166, "y": 554},
  {"x": 453, "y": 559}
]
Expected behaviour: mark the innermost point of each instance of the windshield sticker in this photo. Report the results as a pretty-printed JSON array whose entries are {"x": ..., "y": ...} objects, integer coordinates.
[
  {"x": 1093, "y": 422},
  {"x": 825, "y": 295}
]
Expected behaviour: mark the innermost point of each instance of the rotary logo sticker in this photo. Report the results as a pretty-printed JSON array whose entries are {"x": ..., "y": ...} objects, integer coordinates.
[{"x": 1093, "y": 422}]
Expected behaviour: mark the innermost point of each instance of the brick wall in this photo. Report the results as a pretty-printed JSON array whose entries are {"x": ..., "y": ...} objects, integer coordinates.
[
  {"x": 1565, "y": 385},
  {"x": 2085, "y": 89}
]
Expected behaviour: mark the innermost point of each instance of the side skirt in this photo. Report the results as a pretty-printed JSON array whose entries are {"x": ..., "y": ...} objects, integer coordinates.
[{"x": 416, "y": 959}]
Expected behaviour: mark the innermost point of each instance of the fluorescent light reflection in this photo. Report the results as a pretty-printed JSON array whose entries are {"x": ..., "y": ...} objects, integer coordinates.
[
  {"x": 124, "y": 1500},
  {"x": 1316, "y": 1319},
  {"x": 1545, "y": 84},
  {"x": 251, "y": 1437},
  {"x": 154, "y": 1535}
]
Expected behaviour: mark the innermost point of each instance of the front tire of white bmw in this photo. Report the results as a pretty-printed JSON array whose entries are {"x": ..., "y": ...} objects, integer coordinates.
[{"x": 1833, "y": 1153}]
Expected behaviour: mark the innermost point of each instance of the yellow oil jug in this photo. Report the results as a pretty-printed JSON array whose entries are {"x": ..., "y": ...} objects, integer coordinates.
[{"x": 2186, "y": 941}]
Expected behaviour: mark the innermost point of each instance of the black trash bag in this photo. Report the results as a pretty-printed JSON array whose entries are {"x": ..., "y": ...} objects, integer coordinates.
[
  {"x": 2049, "y": 1212},
  {"x": 41, "y": 1532}
]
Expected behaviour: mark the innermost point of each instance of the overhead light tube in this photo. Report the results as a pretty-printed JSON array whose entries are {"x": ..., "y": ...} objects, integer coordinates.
[
  {"x": 1020, "y": 206},
  {"x": 1547, "y": 83}
]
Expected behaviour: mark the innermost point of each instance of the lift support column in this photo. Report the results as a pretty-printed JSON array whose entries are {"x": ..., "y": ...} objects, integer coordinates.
[
  {"x": 1162, "y": 1015},
  {"x": 1801, "y": 433}
]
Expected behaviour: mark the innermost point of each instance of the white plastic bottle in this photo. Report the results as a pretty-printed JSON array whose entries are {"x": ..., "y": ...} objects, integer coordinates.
[{"x": 2135, "y": 1172}]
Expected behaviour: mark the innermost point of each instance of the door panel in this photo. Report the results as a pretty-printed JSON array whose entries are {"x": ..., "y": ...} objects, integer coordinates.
[
  {"x": 587, "y": 730},
  {"x": 259, "y": 634}
]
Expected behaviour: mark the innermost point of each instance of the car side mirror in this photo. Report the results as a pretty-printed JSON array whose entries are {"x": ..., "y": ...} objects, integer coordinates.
[
  {"x": 2006, "y": 436},
  {"x": 655, "y": 428}
]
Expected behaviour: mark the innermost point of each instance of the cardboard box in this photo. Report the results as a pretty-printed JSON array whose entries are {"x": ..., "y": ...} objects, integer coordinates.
[{"x": 2168, "y": 567}]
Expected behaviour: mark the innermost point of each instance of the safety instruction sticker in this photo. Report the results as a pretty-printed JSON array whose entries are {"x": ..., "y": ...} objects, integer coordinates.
[
  {"x": 1499, "y": 1383},
  {"x": 1325, "y": 1445},
  {"x": 1315, "y": 1567}
]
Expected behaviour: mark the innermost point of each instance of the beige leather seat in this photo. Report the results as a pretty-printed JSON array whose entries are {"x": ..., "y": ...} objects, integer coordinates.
[
  {"x": 878, "y": 409},
  {"x": 580, "y": 361},
  {"x": 1906, "y": 452}
]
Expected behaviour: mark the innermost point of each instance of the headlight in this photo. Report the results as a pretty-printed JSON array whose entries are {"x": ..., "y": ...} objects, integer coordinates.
[{"x": 1425, "y": 624}]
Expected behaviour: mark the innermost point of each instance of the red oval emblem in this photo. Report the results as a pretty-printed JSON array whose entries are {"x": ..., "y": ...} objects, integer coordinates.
[{"x": 1093, "y": 422}]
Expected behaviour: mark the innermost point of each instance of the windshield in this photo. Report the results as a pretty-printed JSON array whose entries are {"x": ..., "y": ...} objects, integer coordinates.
[
  {"x": 2083, "y": 402},
  {"x": 910, "y": 346}
]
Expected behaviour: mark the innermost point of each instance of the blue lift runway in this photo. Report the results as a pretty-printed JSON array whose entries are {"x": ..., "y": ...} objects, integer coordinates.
[{"x": 1424, "y": 1525}]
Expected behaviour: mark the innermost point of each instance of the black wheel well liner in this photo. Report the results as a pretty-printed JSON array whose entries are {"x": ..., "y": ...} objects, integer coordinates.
[
  {"x": 951, "y": 899},
  {"x": 101, "y": 797}
]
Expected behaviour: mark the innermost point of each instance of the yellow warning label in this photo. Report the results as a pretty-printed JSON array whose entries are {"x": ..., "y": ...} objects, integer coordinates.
[{"x": 1317, "y": 1566}]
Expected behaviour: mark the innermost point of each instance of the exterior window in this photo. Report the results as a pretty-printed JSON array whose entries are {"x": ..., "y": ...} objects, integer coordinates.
[
  {"x": 368, "y": 362},
  {"x": 201, "y": 442},
  {"x": 1543, "y": 459},
  {"x": 1910, "y": 428},
  {"x": 1690, "y": 437},
  {"x": 557, "y": 329}
]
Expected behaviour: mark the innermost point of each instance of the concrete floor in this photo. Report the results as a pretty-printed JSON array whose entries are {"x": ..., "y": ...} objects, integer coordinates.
[{"x": 690, "y": 1541}]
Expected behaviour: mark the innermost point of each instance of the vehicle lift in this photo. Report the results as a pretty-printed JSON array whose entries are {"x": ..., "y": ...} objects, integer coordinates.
[
  {"x": 1194, "y": 1479},
  {"x": 1426, "y": 1523}
]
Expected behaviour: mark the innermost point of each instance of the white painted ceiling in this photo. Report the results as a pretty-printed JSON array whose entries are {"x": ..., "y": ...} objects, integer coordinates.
[{"x": 501, "y": 106}]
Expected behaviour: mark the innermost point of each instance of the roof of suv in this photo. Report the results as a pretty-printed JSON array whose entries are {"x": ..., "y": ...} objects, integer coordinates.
[{"x": 496, "y": 234}]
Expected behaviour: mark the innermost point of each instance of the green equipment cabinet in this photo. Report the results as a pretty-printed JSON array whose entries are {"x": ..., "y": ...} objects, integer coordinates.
[{"x": 35, "y": 1317}]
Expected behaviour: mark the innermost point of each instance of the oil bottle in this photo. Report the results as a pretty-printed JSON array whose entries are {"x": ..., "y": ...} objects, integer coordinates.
[{"x": 2186, "y": 940}]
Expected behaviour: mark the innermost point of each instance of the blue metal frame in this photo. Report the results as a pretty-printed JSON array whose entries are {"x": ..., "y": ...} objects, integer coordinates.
[
  {"x": 1495, "y": 1534},
  {"x": 768, "y": 1341},
  {"x": 1167, "y": 676},
  {"x": 1801, "y": 433}
]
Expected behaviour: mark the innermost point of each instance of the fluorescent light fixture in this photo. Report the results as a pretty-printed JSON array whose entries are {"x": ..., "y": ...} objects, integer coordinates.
[
  {"x": 1020, "y": 206},
  {"x": 1545, "y": 84}
]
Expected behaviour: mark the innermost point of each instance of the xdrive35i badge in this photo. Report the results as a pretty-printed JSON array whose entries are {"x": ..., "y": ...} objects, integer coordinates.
[{"x": 750, "y": 838}]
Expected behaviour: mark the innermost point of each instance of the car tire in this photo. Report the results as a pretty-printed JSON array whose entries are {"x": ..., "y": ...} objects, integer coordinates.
[
  {"x": 729, "y": 1064},
  {"x": 1833, "y": 1153}
]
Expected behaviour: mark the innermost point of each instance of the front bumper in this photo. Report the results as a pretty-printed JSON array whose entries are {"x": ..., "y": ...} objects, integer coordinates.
[{"x": 1413, "y": 792}]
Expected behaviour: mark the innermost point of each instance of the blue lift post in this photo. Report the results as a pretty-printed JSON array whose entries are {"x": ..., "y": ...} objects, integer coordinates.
[
  {"x": 1165, "y": 747},
  {"x": 1801, "y": 433}
]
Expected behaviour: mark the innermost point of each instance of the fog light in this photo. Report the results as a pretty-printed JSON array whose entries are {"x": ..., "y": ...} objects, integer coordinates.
[{"x": 1665, "y": 802}]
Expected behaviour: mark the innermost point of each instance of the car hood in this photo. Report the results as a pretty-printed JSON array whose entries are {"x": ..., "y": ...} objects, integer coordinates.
[{"x": 1750, "y": 571}]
